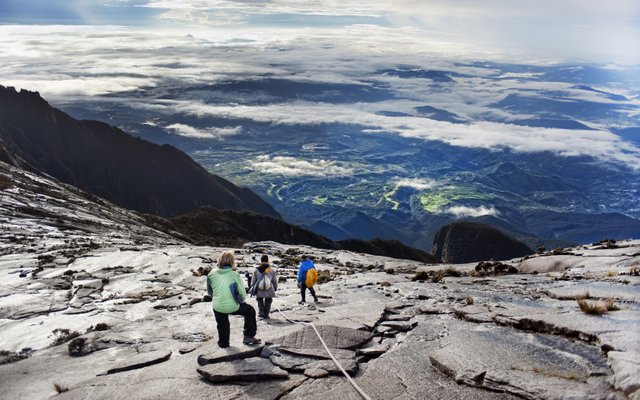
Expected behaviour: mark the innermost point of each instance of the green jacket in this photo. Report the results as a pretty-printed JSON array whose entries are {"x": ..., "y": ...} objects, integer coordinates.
[{"x": 219, "y": 288}]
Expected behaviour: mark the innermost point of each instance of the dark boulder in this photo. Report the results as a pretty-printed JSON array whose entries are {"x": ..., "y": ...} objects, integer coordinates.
[{"x": 462, "y": 242}]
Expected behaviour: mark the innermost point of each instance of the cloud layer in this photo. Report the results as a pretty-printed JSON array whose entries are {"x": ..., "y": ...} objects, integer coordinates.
[
  {"x": 206, "y": 133},
  {"x": 470, "y": 212},
  {"x": 81, "y": 65},
  {"x": 290, "y": 166}
]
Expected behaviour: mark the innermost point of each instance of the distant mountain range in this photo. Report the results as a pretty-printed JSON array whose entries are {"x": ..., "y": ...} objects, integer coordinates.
[{"x": 131, "y": 172}]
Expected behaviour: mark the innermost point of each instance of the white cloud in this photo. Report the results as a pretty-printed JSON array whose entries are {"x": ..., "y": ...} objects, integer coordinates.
[
  {"x": 474, "y": 212},
  {"x": 206, "y": 133},
  {"x": 601, "y": 145},
  {"x": 417, "y": 183},
  {"x": 588, "y": 30},
  {"x": 65, "y": 63},
  {"x": 290, "y": 166}
]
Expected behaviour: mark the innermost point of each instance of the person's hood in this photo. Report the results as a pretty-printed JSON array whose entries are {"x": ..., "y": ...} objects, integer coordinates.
[
  {"x": 306, "y": 264},
  {"x": 225, "y": 270},
  {"x": 263, "y": 267}
]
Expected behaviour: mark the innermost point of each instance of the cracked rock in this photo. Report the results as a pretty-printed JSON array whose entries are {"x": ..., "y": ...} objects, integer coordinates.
[{"x": 251, "y": 369}]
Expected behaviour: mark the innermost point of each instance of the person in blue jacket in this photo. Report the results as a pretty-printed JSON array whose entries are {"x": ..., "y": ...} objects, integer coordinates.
[{"x": 307, "y": 279}]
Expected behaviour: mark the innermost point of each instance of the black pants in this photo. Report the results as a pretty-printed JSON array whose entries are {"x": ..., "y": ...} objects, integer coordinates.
[
  {"x": 264, "y": 306},
  {"x": 303, "y": 288},
  {"x": 222, "y": 320}
]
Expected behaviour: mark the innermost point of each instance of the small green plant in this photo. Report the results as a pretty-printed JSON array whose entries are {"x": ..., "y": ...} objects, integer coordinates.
[
  {"x": 59, "y": 388},
  {"x": 100, "y": 326},
  {"x": 63, "y": 335},
  {"x": 420, "y": 276},
  {"x": 201, "y": 271},
  {"x": 451, "y": 271},
  {"x": 592, "y": 308}
]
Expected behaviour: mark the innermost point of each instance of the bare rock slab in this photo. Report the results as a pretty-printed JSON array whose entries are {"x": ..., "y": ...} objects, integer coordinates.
[
  {"x": 402, "y": 374},
  {"x": 301, "y": 360},
  {"x": 230, "y": 354},
  {"x": 334, "y": 336},
  {"x": 400, "y": 326},
  {"x": 251, "y": 369},
  {"x": 316, "y": 373},
  {"x": 529, "y": 365},
  {"x": 141, "y": 361},
  {"x": 626, "y": 367}
]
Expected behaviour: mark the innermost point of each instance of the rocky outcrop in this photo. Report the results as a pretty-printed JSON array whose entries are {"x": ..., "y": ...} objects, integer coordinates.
[
  {"x": 253, "y": 369},
  {"x": 108, "y": 162},
  {"x": 462, "y": 242},
  {"x": 334, "y": 336}
]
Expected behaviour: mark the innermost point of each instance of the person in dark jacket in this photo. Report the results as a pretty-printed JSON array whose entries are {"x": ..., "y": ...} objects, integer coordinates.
[
  {"x": 304, "y": 283},
  {"x": 265, "y": 291},
  {"x": 226, "y": 288}
]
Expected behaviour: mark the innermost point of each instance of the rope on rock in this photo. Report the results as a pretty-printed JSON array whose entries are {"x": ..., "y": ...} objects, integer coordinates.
[{"x": 355, "y": 385}]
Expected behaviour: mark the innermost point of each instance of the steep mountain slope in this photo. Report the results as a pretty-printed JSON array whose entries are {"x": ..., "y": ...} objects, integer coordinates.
[
  {"x": 463, "y": 241},
  {"x": 39, "y": 214},
  {"x": 91, "y": 155},
  {"x": 212, "y": 227}
]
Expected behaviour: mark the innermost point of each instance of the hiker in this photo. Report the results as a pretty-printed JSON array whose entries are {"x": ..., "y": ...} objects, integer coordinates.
[
  {"x": 307, "y": 277},
  {"x": 227, "y": 292},
  {"x": 265, "y": 284}
]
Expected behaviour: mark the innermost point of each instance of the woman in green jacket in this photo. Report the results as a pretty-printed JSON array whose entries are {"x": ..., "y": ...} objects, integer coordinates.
[{"x": 227, "y": 292}]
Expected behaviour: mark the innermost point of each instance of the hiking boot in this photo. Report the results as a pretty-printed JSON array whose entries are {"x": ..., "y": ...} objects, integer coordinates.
[
  {"x": 316, "y": 300},
  {"x": 202, "y": 361},
  {"x": 301, "y": 302},
  {"x": 251, "y": 340}
]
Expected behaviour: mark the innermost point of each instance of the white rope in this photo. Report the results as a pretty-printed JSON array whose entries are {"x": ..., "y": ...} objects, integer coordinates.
[{"x": 355, "y": 385}]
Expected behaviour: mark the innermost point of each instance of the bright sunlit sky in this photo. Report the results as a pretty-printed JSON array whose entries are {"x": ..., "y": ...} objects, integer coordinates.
[{"x": 557, "y": 30}]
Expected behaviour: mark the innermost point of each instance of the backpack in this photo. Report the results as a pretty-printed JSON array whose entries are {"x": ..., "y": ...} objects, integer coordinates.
[
  {"x": 311, "y": 278},
  {"x": 264, "y": 283}
]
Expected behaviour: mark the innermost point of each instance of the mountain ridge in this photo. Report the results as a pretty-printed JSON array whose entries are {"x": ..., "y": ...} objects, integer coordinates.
[{"x": 92, "y": 155}]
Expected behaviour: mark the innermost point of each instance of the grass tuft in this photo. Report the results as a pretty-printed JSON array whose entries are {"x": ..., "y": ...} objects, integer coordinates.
[
  {"x": 469, "y": 300},
  {"x": 582, "y": 296},
  {"x": 611, "y": 305},
  {"x": 613, "y": 271},
  {"x": 592, "y": 308}
]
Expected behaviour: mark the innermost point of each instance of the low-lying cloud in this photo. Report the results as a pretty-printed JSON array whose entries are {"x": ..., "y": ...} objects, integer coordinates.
[
  {"x": 204, "y": 133},
  {"x": 601, "y": 145},
  {"x": 470, "y": 212},
  {"x": 417, "y": 183},
  {"x": 291, "y": 166}
]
